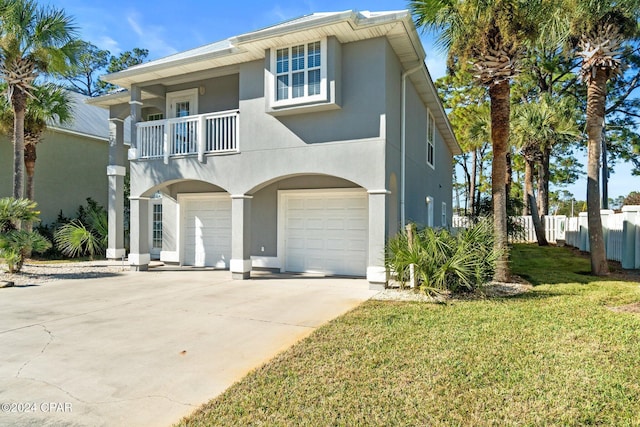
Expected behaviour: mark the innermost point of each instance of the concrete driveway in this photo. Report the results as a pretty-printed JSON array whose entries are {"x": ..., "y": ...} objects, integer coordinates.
[{"x": 145, "y": 349}]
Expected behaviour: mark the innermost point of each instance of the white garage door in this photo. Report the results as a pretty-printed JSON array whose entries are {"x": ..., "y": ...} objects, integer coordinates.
[
  {"x": 325, "y": 232},
  {"x": 206, "y": 229}
]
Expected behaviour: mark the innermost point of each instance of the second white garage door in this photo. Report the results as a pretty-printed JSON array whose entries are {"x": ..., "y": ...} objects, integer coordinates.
[
  {"x": 324, "y": 231},
  {"x": 206, "y": 227}
]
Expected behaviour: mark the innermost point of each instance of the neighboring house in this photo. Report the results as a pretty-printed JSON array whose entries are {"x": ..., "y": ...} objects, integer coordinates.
[
  {"x": 71, "y": 162},
  {"x": 300, "y": 147}
]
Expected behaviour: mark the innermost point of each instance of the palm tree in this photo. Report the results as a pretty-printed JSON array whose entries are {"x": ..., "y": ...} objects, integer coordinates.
[
  {"x": 490, "y": 34},
  {"x": 537, "y": 127},
  {"x": 50, "y": 104},
  {"x": 33, "y": 40},
  {"x": 598, "y": 31}
]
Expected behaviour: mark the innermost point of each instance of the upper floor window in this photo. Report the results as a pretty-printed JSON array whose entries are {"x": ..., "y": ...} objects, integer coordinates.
[
  {"x": 300, "y": 72},
  {"x": 431, "y": 139}
]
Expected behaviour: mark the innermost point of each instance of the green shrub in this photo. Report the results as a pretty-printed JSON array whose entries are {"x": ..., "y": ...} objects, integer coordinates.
[
  {"x": 85, "y": 235},
  {"x": 442, "y": 261},
  {"x": 14, "y": 211},
  {"x": 16, "y": 245}
]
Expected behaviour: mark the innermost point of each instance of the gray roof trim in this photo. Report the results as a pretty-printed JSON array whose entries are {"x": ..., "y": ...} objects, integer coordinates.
[{"x": 73, "y": 132}]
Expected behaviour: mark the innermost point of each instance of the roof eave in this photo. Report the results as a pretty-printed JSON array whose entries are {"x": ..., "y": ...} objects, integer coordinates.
[{"x": 122, "y": 78}]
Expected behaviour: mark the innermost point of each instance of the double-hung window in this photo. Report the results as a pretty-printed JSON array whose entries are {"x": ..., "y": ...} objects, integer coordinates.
[
  {"x": 299, "y": 73},
  {"x": 431, "y": 139}
]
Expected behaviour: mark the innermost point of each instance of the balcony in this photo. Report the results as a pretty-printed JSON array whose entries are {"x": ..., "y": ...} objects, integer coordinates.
[{"x": 210, "y": 133}]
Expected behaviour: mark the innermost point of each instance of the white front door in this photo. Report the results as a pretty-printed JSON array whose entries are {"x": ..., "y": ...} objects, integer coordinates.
[
  {"x": 324, "y": 231},
  {"x": 183, "y": 139},
  {"x": 183, "y": 103},
  {"x": 206, "y": 230}
]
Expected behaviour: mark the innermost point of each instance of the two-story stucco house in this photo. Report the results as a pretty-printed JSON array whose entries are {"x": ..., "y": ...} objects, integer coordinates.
[{"x": 300, "y": 147}]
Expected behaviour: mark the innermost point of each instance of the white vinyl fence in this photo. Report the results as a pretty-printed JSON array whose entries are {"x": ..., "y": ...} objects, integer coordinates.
[{"x": 621, "y": 232}]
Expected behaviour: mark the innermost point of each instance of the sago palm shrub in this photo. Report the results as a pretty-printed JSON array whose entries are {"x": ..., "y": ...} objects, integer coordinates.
[
  {"x": 86, "y": 235},
  {"x": 16, "y": 244},
  {"x": 442, "y": 261}
]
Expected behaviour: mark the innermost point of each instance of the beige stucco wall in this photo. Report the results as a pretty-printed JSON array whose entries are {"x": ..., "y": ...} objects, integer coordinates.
[{"x": 69, "y": 169}]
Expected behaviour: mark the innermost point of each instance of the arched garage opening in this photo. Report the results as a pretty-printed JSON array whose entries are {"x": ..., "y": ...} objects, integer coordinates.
[
  {"x": 193, "y": 220},
  {"x": 311, "y": 224}
]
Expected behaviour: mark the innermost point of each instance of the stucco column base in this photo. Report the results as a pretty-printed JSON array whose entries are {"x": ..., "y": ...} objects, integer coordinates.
[
  {"x": 139, "y": 262},
  {"x": 116, "y": 253},
  {"x": 240, "y": 269}
]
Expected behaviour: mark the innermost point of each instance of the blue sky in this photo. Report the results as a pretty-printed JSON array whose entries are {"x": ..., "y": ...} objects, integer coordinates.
[{"x": 167, "y": 27}]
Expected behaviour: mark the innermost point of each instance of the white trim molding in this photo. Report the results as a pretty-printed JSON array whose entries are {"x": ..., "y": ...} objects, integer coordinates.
[
  {"x": 241, "y": 196},
  {"x": 114, "y": 170},
  {"x": 383, "y": 191},
  {"x": 135, "y": 103}
]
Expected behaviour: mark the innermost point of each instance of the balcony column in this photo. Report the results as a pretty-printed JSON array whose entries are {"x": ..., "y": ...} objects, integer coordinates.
[
  {"x": 116, "y": 172},
  {"x": 139, "y": 256},
  {"x": 377, "y": 274},
  {"x": 240, "y": 265},
  {"x": 136, "y": 116}
]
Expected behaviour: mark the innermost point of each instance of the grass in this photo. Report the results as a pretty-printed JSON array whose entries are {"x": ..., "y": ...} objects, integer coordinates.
[{"x": 555, "y": 356}]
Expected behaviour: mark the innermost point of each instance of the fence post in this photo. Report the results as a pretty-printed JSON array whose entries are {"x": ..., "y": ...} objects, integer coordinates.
[
  {"x": 606, "y": 216},
  {"x": 410, "y": 241},
  {"x": 630, "y": 237},
  {"x": 561, "y": 229},
  {"x": 583, "y": 226}
]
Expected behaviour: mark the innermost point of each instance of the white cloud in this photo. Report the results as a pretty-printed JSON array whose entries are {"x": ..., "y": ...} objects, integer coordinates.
[
  {"x": 107, "y": 43},
  {"x": 131, "y": 19},
  {"x": 150, "y": 36}
]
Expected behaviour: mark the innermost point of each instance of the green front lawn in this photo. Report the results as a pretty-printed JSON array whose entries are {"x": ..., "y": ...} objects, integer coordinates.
[{"x": 555, "y": 356}]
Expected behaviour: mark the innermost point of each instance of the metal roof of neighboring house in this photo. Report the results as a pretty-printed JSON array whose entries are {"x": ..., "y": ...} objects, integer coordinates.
[
  {"x": 88, "y": 120},
  {"x": 347, "y": 26}
]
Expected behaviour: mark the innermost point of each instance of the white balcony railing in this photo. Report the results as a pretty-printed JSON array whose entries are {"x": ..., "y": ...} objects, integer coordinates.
[{"x": 184, "y": 136}]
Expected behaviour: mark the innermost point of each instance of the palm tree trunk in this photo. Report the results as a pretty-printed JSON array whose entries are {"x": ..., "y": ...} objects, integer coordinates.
[
  {"x": 19, "y": 103},
  {"x": 30, "y": 168},
  {"x": 500, "y": 111},
  {"x": 543, "y": 182},
  {"x": 528, "y": 186},
  {"x": 538, "y": 225},
  {"x": 596, "y": 96},
  {"x": 508, "y": 176},
  {"x": 472, "y": 189}
]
